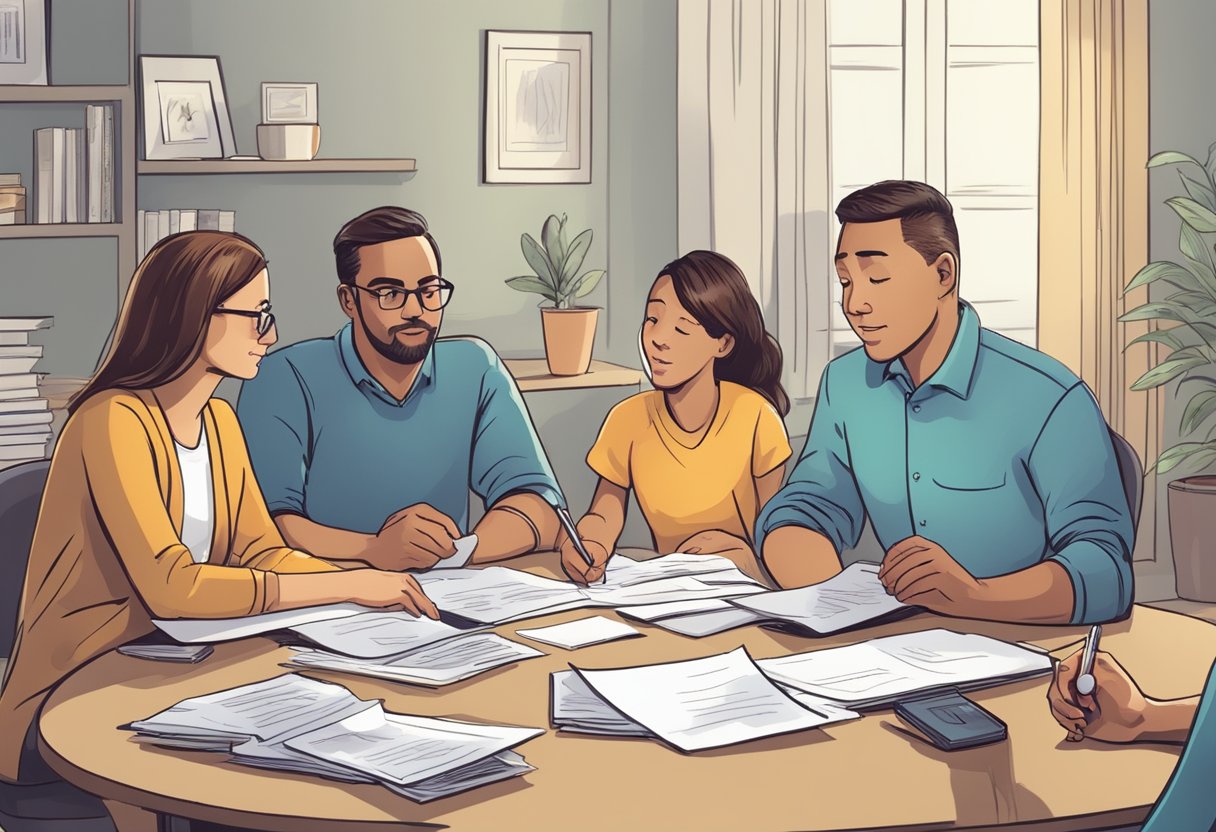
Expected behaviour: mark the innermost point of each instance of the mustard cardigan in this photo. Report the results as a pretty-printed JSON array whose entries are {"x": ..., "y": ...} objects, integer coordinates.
[{"x": 107, "y": 555}]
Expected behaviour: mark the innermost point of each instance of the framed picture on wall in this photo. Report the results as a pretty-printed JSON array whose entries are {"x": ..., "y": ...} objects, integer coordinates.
[
  {"x": 185, "y": 111},
  {"x": 23, "y": 42},
  {"x": 538, "y": 107},
  {"x": 289, "y": 103}
]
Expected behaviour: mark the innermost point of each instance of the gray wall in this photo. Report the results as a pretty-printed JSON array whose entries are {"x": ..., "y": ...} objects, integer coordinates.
[{"x": 1181, "y": 66}]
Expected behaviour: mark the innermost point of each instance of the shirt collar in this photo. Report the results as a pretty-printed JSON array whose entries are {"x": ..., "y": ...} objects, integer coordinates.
[
  {"x": 958, "y": 370},
  {"x": 358, "y": 371}
]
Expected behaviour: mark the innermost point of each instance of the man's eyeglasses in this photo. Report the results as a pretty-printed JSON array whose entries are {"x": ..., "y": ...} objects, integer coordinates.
[
  {"x": 264, "y": 315},
  {"x": 432, "y": 296}
]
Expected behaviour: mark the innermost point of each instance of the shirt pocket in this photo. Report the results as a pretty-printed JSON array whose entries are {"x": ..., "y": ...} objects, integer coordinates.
[{"x": 971, "y": 480}]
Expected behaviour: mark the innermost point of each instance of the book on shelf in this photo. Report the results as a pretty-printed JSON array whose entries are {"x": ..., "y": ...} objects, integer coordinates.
[
  {"x": 12, "y": 200},
  {"x": 74, "y": 170},
  {"x": 153, "y": 226},
  {"x": 25, "y": 415}
]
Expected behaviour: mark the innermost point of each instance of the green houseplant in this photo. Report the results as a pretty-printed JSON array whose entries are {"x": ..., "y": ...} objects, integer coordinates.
[
  {"x": 556, "y": 263},
  {"x": 1185, "y": 297}
]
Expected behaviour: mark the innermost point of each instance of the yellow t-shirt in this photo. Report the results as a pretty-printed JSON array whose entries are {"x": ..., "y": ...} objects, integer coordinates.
[{"x": 692, "y": 482}]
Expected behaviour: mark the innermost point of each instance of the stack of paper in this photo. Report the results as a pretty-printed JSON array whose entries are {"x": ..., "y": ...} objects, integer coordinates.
[
  {"x": 581, "y": 633},
  {"x": 691, "y": 705},
  {"x": 877, "y": 673},
  {"x": 291, "y": 723},
  {"x": 186, "y": 653}
]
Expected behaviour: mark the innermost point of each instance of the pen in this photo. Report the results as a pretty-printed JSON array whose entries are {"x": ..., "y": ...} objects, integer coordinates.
[
  {"x": 563, "y": 514},
  {"x": 1085, "y": 681}
]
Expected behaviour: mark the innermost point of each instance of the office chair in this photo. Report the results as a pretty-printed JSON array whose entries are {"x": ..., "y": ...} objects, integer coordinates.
[
  {"x": 1132, "y": 473},
  {"x": 42, "y": 807}
]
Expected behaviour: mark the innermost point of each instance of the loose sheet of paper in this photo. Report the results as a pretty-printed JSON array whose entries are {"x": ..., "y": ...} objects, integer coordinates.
[
  {"x": 707, "y": 568},
  {"x": 699, "y": 625},
  {"x": 374, "y": 635},
  {"x": 702, "y": 703},
  {"x": 465, "y": 547},
  {"x": 657, "y": 612},
  {"x": 848, "y": 599},
  {"x": 581, "y": 633},
  {"x": 496, "y": 594},
  {"x": 876, "y": 672},
  {"x": 194, "y": 630}
]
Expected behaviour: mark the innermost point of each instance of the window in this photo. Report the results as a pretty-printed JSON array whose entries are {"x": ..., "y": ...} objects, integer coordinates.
[{"x": 945, "y": 92}]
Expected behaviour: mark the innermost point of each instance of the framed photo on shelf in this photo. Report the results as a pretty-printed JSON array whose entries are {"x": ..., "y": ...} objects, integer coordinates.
[
  {"x": 23, "y": 41},
  {"x": 538, "y": 107},
  {"x": 185, "y": 110},
  {"x": 287, "y": 103}
]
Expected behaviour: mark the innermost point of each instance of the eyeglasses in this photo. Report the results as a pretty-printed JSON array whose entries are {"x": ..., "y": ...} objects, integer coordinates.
[
  {"x": 432, "y": 297},
  {"x": 264, "y": 315}
]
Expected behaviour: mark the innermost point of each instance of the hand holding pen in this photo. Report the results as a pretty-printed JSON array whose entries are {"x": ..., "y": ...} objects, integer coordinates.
[
  {"x": 584, "y": 561},
  {"x": 1091, "y": 695}
]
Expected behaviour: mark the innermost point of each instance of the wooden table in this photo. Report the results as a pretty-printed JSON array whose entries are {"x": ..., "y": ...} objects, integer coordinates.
[{"x": 858, "y": 775}]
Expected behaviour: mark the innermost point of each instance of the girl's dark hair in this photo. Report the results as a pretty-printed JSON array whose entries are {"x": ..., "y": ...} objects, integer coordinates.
[
  {"x": 713, "y": 289},
  {"x": 164, "y": 319}
]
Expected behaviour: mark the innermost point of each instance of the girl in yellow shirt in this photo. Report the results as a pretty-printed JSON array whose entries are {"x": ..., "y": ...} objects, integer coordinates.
[
  {"x": 707, "y": 448},
  {"x": 151, "y": 509}
]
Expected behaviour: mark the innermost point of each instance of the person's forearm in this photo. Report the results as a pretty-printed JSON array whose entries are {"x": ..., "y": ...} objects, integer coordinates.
[
  {"x": 797, "y": 556},
  {"x": 516, "y": 524},
  {"x": 600, "y": 525},
  {"x": 1040, "y": 594},
  {"x": 1169, "y": 720},
  {"x": 308, "y": 590},
  {"x": 323, "y": 541}
]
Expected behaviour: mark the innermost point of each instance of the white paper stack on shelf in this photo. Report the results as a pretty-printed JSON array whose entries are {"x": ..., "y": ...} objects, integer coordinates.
[
  {"x": 690, "y": 705},
  {"x": 25, "y": 416},
  {"x": 496, "y": 594},
  {"x": 292, "y": 723},
  {"x": 153, "y": 226},
  {"x": 877, "y": 673}
]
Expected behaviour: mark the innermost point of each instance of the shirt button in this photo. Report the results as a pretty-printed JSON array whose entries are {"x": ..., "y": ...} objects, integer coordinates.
[
  {"x": 916, "y": 408},
  {"x": 922, "y": 522},
  {"x": 916, "y": 476}
]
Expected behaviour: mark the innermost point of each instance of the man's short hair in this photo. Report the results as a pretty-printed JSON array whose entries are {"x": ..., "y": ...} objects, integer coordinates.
[
  {"x": 925, "y": 215},
  {"x": 379, "y": 225}
]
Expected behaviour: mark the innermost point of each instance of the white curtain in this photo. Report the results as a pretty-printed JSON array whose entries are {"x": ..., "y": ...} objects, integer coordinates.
[{"x": 754, "y": 161}]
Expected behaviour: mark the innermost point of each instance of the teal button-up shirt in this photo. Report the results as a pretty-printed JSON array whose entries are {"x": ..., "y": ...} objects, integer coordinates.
[
  {"x": 1002, "y": 457},
  {"x": 328, "y": 442}
]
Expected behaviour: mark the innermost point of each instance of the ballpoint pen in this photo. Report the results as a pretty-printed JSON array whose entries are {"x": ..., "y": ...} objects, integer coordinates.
[
  {"x": 1086, "y": 684},
  {"x": 563, "y": 514}
]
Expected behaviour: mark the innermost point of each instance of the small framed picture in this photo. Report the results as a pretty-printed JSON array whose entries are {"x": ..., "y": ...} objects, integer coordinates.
[
  {"x": 23, "y": 41},
  {"x": 289, "y": 103},
  {"x": 185, "y": 110}
]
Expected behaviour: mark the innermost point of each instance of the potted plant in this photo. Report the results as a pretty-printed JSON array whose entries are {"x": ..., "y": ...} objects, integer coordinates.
[
  {"x": 569, "y": 330},
  {"x": 1189, "y": 305}
]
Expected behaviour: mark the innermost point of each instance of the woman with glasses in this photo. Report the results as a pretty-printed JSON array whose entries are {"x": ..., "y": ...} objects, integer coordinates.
[{"x": 151, "y": 509}]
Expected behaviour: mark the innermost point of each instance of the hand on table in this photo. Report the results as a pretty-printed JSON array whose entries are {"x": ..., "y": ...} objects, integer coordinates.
[
  {"x": 918, "y": 571},
  {"x": 1114, "y": 712},
  {"x": 386, "y": 590},
  {"x": 416, "y": 537}
]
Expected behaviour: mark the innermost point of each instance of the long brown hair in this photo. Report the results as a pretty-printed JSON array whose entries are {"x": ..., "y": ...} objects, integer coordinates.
[
  {"x": 169, "y": 304},
  {"x": 712, "y": 288}
]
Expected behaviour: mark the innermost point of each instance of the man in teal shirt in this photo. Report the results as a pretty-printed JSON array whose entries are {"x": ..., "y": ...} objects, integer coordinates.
[
  {"x": 985, "y": 467},
  {"x": 367, "y": 444}
]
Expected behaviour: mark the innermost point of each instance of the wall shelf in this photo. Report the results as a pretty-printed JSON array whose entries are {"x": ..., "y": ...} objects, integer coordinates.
[
  {"x": 184, "y": 167},
  {"x": 60, "y": 230},
  {"x": 51, "y": 93},
  {"x": 532, "y": 374}
]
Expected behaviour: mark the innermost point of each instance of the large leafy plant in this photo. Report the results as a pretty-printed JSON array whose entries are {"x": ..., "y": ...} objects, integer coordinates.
[
  {"x": 1190, "y": 309},
  {"x": 555, "y": 264}
]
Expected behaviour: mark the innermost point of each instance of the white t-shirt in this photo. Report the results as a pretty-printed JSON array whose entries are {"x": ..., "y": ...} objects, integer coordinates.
[{"x": 198, "y": 522}]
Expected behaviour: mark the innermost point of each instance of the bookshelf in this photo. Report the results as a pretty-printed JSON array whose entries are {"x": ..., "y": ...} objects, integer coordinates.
[{"x": 231, "y": 166}]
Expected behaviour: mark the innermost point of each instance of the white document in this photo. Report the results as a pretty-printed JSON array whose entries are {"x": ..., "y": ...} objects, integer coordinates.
[
  {"x": 576, "y": 707},
  {"x": 374, "y": 635},
  {"x": 194, "y": 630},
  {"x": 657, "y": 612},
  {"x": 661, "y": 591},
  {"x": 273, "y": 710},
  {"x": 465, "y": 547},
  {"x": 405, "y": 749},
  {"x": 876, "y": 673},
  {"x": 703, "y": 703},
  {"x": 708, "y": 568},
  {"x": 435, "y": 665},
  {"x": 852, "y": 597},
  {"x": 701, "y": 624},
  {"x": 581, "y": 633},
  {"x": 496, "y": 594}
]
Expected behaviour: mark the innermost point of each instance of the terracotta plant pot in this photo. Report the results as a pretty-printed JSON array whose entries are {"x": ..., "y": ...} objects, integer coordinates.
[
  {"x": 1193, "y": 537},
  {"x": 569, "y": 337}
]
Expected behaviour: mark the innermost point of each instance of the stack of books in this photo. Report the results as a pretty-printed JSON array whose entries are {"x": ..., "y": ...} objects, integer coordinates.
[
  {"x": 153, "y": 226},
  {"x": 12, "y": 199},
  {"x": 25, "y": 417},
  {"x": 75, "y": 171}
]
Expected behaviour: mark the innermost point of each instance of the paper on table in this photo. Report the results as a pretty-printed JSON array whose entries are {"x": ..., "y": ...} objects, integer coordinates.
[
  {"x": 657, "y": 612},
  {"x": 377, "y": 634},
  {"x": 661, "y": 591},
  {"x": 194, "y": 630},
  {"x": 581, "y": 633},
  {"x": 852, "y": 597},
  {"x": 703, "y": 703},
  {"x": 708, "y": 568},
  {"x": 496, "y": 594},
  {"x": 576, "y": 707},
  {"x": 698, "y": 625},
  {"x": 435, "y": 665},
  {"x": 877, "y": 672},
  {"x": 464, "y": 551}
]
